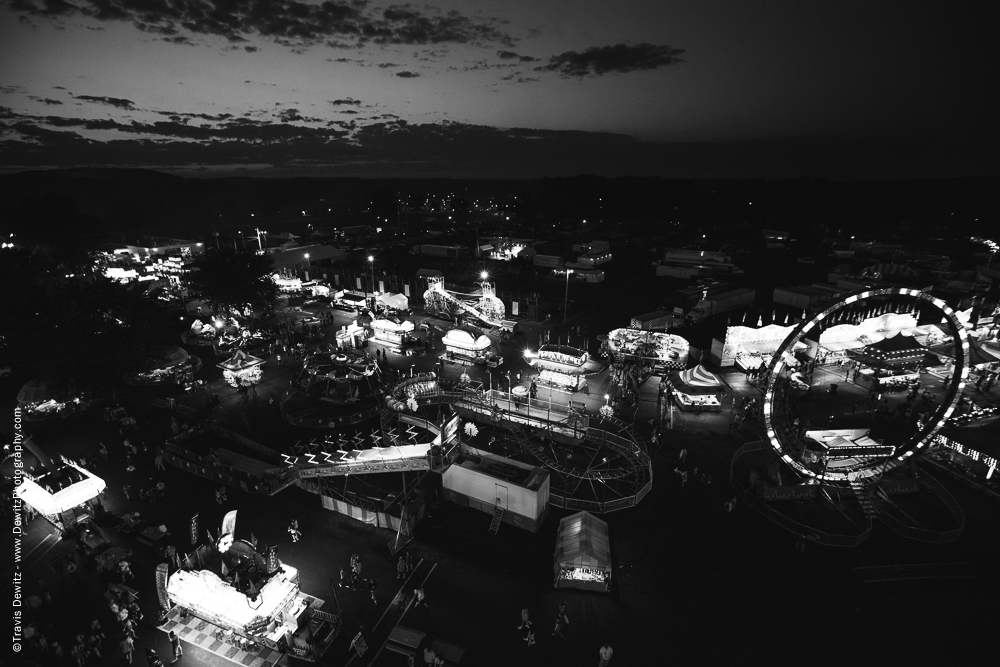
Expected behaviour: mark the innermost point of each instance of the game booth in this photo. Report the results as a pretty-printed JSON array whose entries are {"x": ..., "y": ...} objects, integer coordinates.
[
  {"x": 391, "y": 332},
  {"x": 561, "y": 367},
  {"x": 666, "y": 351},
  {"x": 66, "y": 495},
  {"x": 583, "y": 553},
  {"x": 232, "y": 599},
  {"x": 698, "y": 390}
]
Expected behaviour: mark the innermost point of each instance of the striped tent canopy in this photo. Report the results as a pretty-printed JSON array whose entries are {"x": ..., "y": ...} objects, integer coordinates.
[
  {"x": 698, "y": 380},
  {"x": 240, "y": 361}
]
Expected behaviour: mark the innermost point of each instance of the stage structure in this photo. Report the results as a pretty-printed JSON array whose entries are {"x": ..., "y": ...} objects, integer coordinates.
[{"x": 865, "y": 465}]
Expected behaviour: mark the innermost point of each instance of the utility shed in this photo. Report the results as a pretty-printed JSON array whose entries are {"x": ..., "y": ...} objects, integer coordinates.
[{"x": 482, "y": 481}]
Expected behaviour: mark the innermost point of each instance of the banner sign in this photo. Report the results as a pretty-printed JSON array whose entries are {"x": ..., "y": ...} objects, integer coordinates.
[
  {"x": 360, "y": 645},
  {"x": 161, "y": 585},
  {"x": 194, "y": 529},
  {"x": 272, "y": 559},
  {"x": 513, "y": 308},
  {"x": 229, "y": 523}
]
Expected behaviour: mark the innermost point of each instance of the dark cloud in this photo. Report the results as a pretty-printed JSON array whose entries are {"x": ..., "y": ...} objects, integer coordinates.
[
  {"x": 396, "y": 148},
  {"x": 349, "y": 111},
  {"x": 347, "y": 101},
  {"x": 251, "y": 49},
  {"x": 340, "y": 23},
  {"x": 510, "y": 55},
  {"x": 11, "y": 89},
  {"x": 58, "y": 87},
  {"x": 598, "y": 60},
  {"x": 44, "y": 100},
  {"x": 387, "y": 65},
  {"x": 117, "y": 102},
  {"x": 183, "y": 116},
  {"x": 405, "y": 74}
]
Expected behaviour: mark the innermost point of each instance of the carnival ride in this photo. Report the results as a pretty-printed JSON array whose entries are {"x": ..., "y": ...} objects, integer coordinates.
[
  {"x": 484, "y": 306},
  {"x": 839, "y": 463},
  {"x": 636, "y": 355}
]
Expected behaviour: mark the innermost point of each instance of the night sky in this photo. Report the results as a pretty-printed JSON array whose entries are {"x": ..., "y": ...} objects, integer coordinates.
[{"x": 500, "y": 88}]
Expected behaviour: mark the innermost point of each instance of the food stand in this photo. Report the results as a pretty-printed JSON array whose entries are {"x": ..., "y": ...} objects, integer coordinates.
[
  {"x": 351, "y": 336},
  {"x": 65, "y": 496},
  {"x": 391, "y": 332},
  {"x": 583, "y": 553},
  {"x": 467, "y": 342},
  {"x": 242, "y": 369},
  {"x": 698, "y": 390}
]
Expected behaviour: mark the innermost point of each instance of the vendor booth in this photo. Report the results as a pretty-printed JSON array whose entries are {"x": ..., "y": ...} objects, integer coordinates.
[
  {"x": 561, "y": 366},
  {"x": 66, "y": 495},
  {"x": 583, "y": 553},
  {"x": 467, "y": 342},
  {"x": 242, "y": 369},
  {"x": 391, "y": 332},
  {"x": 698, "y": 390},
  {"x": 351, "y": 336},
  {"x": 666, "y": 351}
]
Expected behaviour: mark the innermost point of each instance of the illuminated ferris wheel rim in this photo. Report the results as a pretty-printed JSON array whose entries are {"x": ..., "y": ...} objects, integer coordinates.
[{"x": 783, "y": 357}]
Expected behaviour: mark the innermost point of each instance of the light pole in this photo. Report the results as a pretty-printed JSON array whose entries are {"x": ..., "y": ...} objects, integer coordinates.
[
  {"x": 566, "y": 298},
  {"x": 243, "y": 239},
  {"x": 308, "y": 263},
  {"x": 371, "y": 262},
  {"x": 607, "y": 399}
]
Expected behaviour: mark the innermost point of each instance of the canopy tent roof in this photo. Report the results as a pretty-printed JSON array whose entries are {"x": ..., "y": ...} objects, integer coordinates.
[
  {"x": 895, "y": 351},
  {"x": 422, "y": 273},
  {"x": 467, "y": 337},
  {"x": 582, "y": 541},
  {"x": 41, "y": 390},
  {"x": 982, "y": 436},
  {"x": 60, "y": 490},
  {"x": 240, "y": 361},
  {"x": 397, "y": 301},
  {"x": 353, "y": 298},
  {"x": 978, "y": 355},
  {"x": 388, "y": 325},
  {"x": 698, "y": 380}
]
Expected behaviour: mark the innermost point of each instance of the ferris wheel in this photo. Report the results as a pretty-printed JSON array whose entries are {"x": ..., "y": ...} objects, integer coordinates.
[{"x": 785, "y": 375}]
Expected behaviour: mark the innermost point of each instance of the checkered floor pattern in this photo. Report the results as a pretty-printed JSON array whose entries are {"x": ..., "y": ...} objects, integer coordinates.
[{"x": 202, "y": 634}]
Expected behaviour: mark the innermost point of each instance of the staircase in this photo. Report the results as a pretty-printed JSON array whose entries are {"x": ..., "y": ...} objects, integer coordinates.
[
  {"x": 865, "y": 496},
  {"x": 497, "y": 518}
]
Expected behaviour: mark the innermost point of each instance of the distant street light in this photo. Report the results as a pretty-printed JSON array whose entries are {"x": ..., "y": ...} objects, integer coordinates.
[
  {"x": 607, "y": 399},
  {"x": 308, "y": 263},
  {"x": 371, "y": 261},
  {"x": 483, "y": 275},
  {"x": 566, "y": 299}
]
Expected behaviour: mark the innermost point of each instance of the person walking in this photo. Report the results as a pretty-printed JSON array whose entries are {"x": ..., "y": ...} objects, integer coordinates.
[
  {"x": 562, "y": 620},
  {"x": 294, "y": 531},
  {"x": 683, "y": 455},
  {"x": 401, "y": 568},
  {"x": 175, "y": 646},
  {"x": 525, "y": 618},
  {"x": 605, "y": 652},
  {"x": 419, "y": 595},
  {"x": 159, "y": 462},
  {"x": 372, "y": 586},
  {"x": 127, "y": 646}
]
